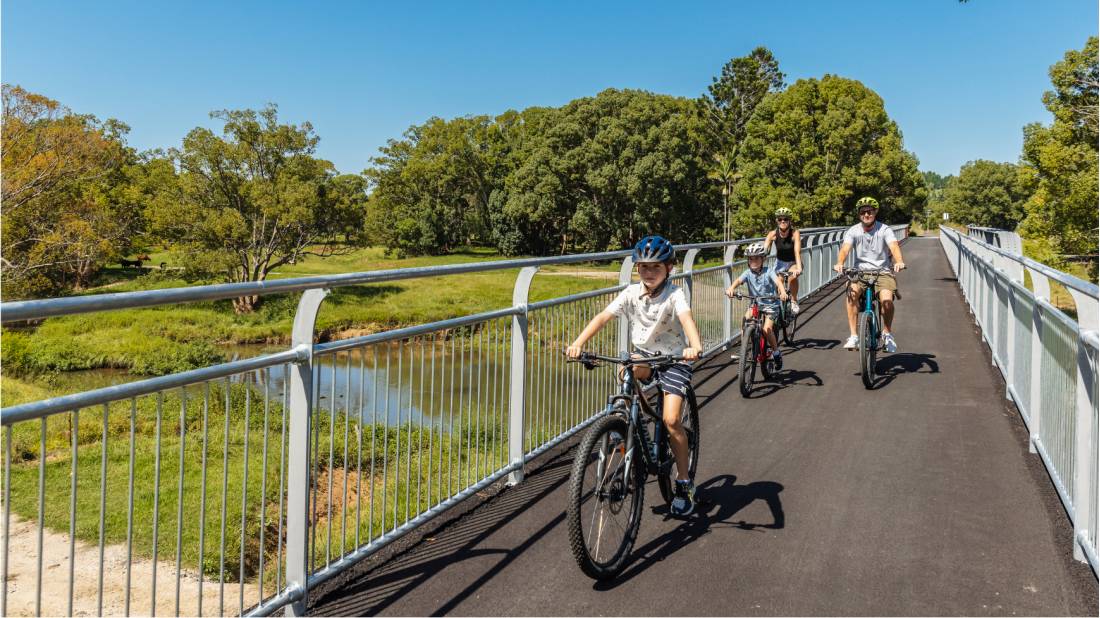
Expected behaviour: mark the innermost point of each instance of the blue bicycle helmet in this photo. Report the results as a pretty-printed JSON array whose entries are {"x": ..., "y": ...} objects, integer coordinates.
[{"x": 654, "y": 249}]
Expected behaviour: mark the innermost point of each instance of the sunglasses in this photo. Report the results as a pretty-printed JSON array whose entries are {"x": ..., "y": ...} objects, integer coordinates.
[
  {"x": 782, "y": 218},
  {"x": 864, "y": 211}
]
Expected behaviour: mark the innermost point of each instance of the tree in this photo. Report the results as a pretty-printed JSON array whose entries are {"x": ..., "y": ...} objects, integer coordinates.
[
  {"x": 726, "y": 174},
  {"x": 59, "y": 171},
  {"x": 732, "y": 97},
  {"x": 253, "y": 199},
  {"x": 816, "y": 148},
  {"x": 1061, "y": 215},
  {"x": 989, "y": 194}
]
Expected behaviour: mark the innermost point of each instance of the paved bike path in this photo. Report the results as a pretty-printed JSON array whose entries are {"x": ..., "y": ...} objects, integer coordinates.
[{"x": 825, "y": 498}]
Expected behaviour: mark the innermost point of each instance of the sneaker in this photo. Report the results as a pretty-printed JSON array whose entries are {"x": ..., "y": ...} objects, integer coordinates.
[
  {"x": 889, "y": 344},
  {"x": 777, "y": 359},
  {"x": 684, "y": 501},
  {"x": 852, "y": 343},
  {"x": 794, "y": 308}
]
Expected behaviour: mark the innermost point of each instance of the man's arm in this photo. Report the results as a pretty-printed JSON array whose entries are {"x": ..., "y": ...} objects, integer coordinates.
[
  {"x": 895, "y": 252},
  {"x": 841, "y": 257}
]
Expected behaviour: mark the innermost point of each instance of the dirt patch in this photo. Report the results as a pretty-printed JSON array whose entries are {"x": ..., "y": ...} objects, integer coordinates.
[
  {"x": 341, "y": 501},
  {"x": 23, "y": 566}
]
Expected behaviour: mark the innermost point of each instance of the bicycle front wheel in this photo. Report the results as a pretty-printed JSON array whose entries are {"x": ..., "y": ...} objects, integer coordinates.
[
  {"x": 605, "y": 499},
  {"x": 789, "y": 324},
  {"x": 748, "y": 360},
  {"x": 689, "y": 419},
  {"x": 867, "y": 345}
]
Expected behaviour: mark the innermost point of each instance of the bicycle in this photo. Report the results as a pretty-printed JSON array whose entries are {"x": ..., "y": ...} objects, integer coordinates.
[
  {"x": 755, "y": 351},
  {"x": 613, "y": 463},
  {"x": 868, "y": 320},
  {"x": 785, "y": 319}
]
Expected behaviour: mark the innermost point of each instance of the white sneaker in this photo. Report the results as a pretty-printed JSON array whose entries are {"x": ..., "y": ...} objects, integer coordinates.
[
  {"x": 852, "y": 343},
  {"x": 794, "y": 307},
  {"x": 889, "y": 344}
]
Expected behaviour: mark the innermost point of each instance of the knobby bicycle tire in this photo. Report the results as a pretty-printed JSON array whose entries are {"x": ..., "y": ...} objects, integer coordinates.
[
  {"x": 691, "y": 425},
  {"x": 632, "y": 487}
]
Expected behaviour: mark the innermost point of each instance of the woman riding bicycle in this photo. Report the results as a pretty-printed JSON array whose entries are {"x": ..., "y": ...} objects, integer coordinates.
[
  {"x": 788, "y": 251},
  {"x": 660, "y": 317},
  {"x": 876, "y": 248},
  {"x": 762, "y": 282}
]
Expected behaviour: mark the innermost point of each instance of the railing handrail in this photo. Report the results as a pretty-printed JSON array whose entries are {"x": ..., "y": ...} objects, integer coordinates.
[
  {"x": 1067, "y": 280},
  {"x": 18, "y": 311}
]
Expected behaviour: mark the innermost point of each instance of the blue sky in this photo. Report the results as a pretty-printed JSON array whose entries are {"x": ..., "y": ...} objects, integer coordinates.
[{"x": 961, "y": 80}]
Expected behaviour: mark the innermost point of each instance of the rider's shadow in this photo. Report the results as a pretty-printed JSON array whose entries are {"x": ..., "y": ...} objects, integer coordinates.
[
  {"x": 718, "y": 501},
  {"x": 890, "y": 366}
]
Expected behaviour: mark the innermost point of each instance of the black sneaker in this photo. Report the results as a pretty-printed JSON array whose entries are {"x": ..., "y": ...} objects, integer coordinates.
[
  {"x": 684, "y": 501},
  {"x": 778, "y": 360}
]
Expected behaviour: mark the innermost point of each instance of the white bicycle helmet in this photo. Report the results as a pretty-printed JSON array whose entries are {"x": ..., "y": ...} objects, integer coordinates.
[{"x": 754, "y": 249}]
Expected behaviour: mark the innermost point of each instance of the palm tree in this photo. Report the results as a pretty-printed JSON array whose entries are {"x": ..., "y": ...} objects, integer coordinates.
[{"x": 725, "y": 172}]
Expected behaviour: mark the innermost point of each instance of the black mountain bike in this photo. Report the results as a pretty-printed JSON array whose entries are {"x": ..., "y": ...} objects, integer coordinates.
[
  {"x": 615, "y": 458},
  {"x": 755, "y": 351},
  {"x": 786, "y": 321}
]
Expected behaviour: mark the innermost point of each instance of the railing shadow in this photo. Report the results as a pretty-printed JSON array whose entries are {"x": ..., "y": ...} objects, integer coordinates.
[
  {"x": 373, "y": 590},
  {"x": 720, "y": 499}
]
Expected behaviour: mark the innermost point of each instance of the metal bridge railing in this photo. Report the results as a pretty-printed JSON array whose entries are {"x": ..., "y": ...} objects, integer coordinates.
[
  {"x": 273, "y": 474},
  {"x": 1048, "y": 361}
]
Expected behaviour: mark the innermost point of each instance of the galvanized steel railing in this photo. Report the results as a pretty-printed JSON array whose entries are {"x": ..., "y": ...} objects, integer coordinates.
[
  {"x": 1048, "y": 361},
  {"x": 269, "y": 476}
]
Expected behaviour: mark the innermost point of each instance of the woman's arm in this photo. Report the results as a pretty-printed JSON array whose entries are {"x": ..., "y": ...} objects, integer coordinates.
[
  {"x": 696, "y": 344},
  {"x": 797, "y": 251},
  {"x": 768, "y": 241},
  {"x": 598, "y": 322}
]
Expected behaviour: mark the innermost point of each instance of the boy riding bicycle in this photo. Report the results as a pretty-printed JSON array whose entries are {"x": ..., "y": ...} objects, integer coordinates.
[
  {"x": 762, "y": 282},
  {"x": 660, "y": 317}
]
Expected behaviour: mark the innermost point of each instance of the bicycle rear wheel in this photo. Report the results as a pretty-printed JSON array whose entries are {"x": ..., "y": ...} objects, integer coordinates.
[
  {"x": 867, "y": 346},
  {"x": 605, "y": 499},
  {"x": 748, "y": 360},
  {"x": 689, "y": 417}
]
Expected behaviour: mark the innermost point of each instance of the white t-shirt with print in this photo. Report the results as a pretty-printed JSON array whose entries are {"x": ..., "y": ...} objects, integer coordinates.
[{"x": 654, "y": 325}]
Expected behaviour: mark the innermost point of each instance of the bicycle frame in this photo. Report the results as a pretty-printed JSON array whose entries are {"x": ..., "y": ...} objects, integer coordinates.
[{"x": 637, "y": 406}]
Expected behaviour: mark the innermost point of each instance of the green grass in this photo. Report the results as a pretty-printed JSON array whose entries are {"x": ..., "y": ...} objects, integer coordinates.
[
  {"x": 162, "y": 340},
  {"x": 473, "y": 450}
]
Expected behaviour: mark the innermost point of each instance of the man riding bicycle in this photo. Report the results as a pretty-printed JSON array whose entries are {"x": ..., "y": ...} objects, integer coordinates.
[{"x": 877, "y": 248}]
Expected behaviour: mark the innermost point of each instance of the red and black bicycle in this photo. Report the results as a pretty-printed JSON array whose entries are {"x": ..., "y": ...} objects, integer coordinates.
[{"x": 755, "y": 351}]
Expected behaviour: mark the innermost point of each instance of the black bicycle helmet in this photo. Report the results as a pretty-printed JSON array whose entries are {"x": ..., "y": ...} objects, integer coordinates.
[{"x": 653, "y": 249}]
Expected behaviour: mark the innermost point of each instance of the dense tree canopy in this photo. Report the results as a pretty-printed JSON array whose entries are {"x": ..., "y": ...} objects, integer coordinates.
[
  {"x": 63, "y": 214},
  {"x": 816, "y": 148},
  {"x": 989, "y": 194},
  {"x": 253, "y": 199},
  {"x": 1062, "y": 213}
]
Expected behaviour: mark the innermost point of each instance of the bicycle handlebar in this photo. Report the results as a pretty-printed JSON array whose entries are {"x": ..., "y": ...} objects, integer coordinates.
[
  {"x": 590, "y": 360},
  {"x": 739, "y": 295}
]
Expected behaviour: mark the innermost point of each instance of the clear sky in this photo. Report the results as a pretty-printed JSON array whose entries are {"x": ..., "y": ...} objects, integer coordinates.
[{"x": 961, "y": 80}]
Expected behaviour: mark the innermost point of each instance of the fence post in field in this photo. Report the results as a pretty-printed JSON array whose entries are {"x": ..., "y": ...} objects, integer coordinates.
[
  {"x": 518, "y": 394},
  {"x": 301, "y": 402}
]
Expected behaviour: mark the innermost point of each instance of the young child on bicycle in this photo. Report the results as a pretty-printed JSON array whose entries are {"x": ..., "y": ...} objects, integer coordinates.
[
  {"x": 762, "y": 282},
  {"x": 660, "y": 319}
]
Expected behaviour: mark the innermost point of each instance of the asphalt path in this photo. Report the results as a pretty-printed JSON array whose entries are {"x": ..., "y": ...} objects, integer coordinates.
[{"x": 823, "y": 498}]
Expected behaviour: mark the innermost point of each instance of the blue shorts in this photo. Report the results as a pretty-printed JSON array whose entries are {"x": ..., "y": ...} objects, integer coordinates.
[{"x": 782, "y": 267}]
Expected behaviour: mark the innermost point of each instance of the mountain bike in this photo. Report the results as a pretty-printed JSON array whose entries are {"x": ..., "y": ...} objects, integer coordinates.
[
  {"x": 869, "y": 321},
  {"x": 755, "y": 351},
  {"x": 613, "y": 462},
  {"x": 785, "y": 319}
]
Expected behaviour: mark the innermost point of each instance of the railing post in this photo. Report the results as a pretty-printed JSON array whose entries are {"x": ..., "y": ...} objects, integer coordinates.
[
  {"x": 689, "y": 268},
  {"x": 625, "y": 273},
  {"x": 727, "y": 302},
  {"x": 517, "y": 400},
  {"x": 1084, "y": 466},
  {"x": 298, "y": 481},
  {"x": 1041, "y": 289}
]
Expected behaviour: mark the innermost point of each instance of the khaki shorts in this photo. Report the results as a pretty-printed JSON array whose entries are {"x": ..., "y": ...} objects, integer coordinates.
[{"x": 884, "y": 282}]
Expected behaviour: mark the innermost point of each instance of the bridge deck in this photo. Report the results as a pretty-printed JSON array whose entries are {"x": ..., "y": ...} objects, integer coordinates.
[{"x": 915, "y": 498}]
